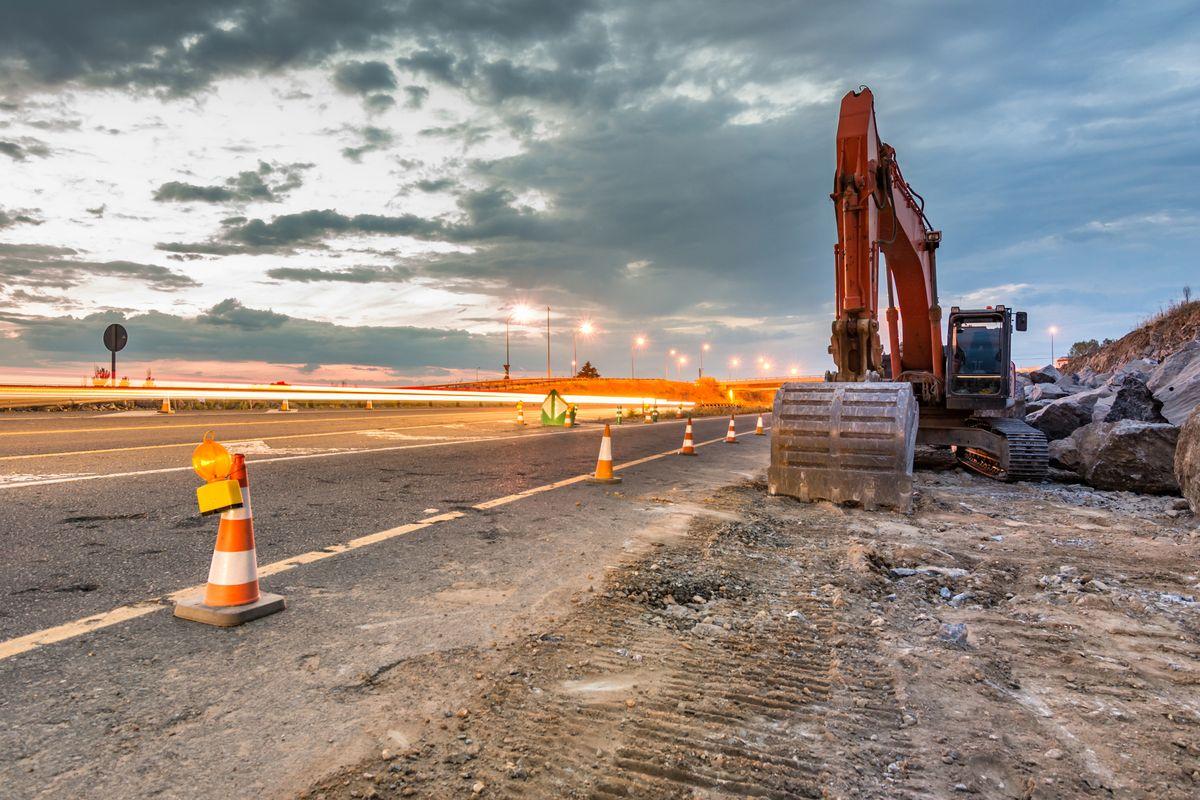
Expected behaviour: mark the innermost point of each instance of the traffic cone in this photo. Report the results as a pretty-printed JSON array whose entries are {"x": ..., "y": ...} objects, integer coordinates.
[
  {"x": 731, "y": 434},
  {"x": 165, "y": 408},
  {"x": 646, "y": 420},
  {"x": 232, "y": 596},
  {"x": 604, "y": 467},
  {"x": 758, "y": 429},
  {"x": 689, "y": 446},
  {"x": 370, "y": 406},
  {"x": 620, "y": 416},
  {"x": 520, "y": 413},
  {"x": 284, "y": 408}
]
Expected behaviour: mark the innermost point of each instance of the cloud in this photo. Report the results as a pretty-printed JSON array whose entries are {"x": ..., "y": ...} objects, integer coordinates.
[
  {"x": 417, "y": 95},
  {"x": 372, "y": 139},
  {"x": 179, "y": 47},
  {"x": 308, "y": 226},
  {"x": 364, "y": 77},
  {"x": 231, "y": 332},
  {"x": 50, "y": 267},
  {"x": 23, "y": 148},
  {"x": 379, "y": 102},
  {"x": 268, "y": 183},
  {"x": 347, "y": 275},
  {"x": 15, "y": 216}
]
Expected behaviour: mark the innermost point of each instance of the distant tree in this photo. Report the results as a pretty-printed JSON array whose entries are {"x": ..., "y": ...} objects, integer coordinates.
[
  {"x": 587, "y": 371},
  {"x": 1084, "y": 348},
  {"x": 1187, "y": 294}
]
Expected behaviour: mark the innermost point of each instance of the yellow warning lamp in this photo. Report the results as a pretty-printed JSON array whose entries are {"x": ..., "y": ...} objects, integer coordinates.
[{"x": 214, "y": 463}]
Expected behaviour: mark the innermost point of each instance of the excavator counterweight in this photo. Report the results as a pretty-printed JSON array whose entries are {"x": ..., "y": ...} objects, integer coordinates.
[{"x": 852, "y": 438}]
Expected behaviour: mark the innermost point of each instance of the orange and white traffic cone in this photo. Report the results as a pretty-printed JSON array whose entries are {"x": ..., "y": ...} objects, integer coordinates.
[
  {"x": 165, "y": 408},
  {"x": 646, "y": 420},
  {"x": 758, "y": 429},
  {"x": 604, "y": 464},
  {"x": 232, "y": 596},
  {"x": 689, "y": 446},
  {"x": 520, "y": 413},
  {"x": 731, "y": 434},
  {"x": 370, "y": 406}
]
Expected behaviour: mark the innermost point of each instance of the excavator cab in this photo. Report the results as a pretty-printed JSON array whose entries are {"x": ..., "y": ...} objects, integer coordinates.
[{"x": 979, "y": 359}]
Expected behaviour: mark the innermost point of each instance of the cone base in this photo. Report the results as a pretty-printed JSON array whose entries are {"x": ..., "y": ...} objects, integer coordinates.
[
  {"x": 594, "y": 479},
  {"x": 689, "y": 454},
  {"x": 732, "y": 441},
  {"x": 228, "y": 616}
]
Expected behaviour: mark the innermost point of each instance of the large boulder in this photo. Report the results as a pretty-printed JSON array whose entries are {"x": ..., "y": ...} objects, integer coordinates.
[
  {"x": 1128, "y": 456},
  {"x": 1060, "y": 418},
  {"x": 1176, "y": 382},
  {"x": 1140, "y": 368},
  {"x": 1047, "y": 374},
  {"x": 1134, "y": 400},
  {"x": 1064, "y": 453},
  {"x": 1045, "y": 391},
  {"x": 1187, "y": 461}
]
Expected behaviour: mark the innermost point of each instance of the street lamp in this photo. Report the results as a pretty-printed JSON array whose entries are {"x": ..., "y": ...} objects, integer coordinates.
[
  {"x": 679, "y": 369},
  {"x": 670, "y": 356},
  {"x": 586, "y": 329},
  {"x": 639, "y": 341},
  {"x": 703, "y": 349},
  {"x": 520, "y": 313},
  {"x": 548, "y": 375},
  {"x": 733, "y": 365},
  {"x": 1053, "y": 330}
]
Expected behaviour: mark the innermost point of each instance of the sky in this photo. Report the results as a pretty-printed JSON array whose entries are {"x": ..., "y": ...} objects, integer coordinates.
[{"x": 364, "y": 192}]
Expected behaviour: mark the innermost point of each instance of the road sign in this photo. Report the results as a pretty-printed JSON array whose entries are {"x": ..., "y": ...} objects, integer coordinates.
[
  {"x": 554, "y": 409},
  {"x": 116, "y": 337}
]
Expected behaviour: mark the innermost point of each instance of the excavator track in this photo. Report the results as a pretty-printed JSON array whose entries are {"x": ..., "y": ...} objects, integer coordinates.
[{"x": 1028, "y": 454}]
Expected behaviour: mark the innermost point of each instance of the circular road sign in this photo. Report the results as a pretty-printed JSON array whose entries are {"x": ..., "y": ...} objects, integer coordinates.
[{"x": 115, "y": 337}]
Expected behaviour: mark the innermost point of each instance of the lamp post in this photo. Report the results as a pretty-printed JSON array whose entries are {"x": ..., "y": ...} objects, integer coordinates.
[
  {"x": 519, "y": 313},
  {"x": 670, "y": 356},
  {"x": 679, "y": 368},
  {"x": 548, "y": 375},
  {"x": 1053, "y": 330},
  {"x": 733, "y": 365},
  {"x": 703, "y": 348},
  {"x": 639, "y": 341},
  {"x": 586, "y": 329}
]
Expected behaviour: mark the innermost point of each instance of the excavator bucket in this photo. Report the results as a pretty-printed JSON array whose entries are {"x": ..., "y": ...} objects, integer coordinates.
[{"x": 844, "y": 442}]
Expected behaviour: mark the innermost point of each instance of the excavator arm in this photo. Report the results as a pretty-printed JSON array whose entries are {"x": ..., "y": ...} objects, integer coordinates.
[{"x": 879, "y": 213}]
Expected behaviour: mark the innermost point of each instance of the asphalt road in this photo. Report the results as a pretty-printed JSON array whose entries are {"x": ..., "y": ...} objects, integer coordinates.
[{"x": 98, "y": 513}]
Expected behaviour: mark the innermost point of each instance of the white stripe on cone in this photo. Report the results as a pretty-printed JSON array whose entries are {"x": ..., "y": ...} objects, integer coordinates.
[
  {"x": 606, "y": 449},
  {"x": 244, "y": 511},
  {"x": 233, "y": 569}
]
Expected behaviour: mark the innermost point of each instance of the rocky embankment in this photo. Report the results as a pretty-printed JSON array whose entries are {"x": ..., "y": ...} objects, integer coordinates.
[{"x": 1133, "y": 428}]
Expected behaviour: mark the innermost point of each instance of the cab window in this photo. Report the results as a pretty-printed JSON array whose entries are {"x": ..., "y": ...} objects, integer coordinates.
[{"x": 978, "y": 366}]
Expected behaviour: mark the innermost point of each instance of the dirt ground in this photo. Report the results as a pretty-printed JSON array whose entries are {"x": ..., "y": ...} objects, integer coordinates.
[{"x": 1001, "y": 641}]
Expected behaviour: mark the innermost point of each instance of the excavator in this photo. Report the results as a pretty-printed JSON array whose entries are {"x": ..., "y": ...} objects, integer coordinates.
[{"x": 852, "y": 439}]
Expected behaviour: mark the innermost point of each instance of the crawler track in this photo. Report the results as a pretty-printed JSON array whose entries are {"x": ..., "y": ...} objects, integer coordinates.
[{"x": 1028, "y": 455}]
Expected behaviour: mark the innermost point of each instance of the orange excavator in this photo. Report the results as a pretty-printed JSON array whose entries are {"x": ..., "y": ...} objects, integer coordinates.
[{"x": 852, "y": 438}]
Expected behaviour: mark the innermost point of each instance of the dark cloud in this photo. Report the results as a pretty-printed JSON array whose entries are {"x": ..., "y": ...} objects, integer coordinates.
[
  {"x": 231, "y": 332},
  {"x": 417, "y": 95},
  {"x": 379, "y": 102},
  {"x": 364, "y": 77},
  {"x": 469, "y": 134},
  {"x": 18, "y": 216},
  {"x": 23, "y": 148},
  {"x": 268, "y": 183},
  {"x": 308, "y": 226},
  {"x": 181, "y": 46},
  {"x": 372, "y": 139},
  {"x": 436, "y": 185},
  {"x": 48, "y": 267},
  {"x": 347, "y": 275}
]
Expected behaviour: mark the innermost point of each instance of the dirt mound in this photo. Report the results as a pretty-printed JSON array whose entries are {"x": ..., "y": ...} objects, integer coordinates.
[{"x": 1157, "y": 338}]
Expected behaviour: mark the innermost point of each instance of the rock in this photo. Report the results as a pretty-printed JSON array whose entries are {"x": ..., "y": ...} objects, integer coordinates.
[
  {"x": 1176, "y": 383},
  {"x": 1134, "y": 400},
  {"x": 1128, "y": 456},
  {"x": 1187, "y": 461},
  {"x": 1139, "y": 368},
  {"x": 1062, "y": 417},
  {"x": 1047, "y": 374},
  {"x": 677, "y": 612},
  {"x": 954, "y": 634},
  {"x": 1053, "y": 753},
  {"x": 478, "y": 787},
  {"x": 1046, "y": 391},
  {"x": 708, "y": 629},
  {"x": 1064, "y": 454}
]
